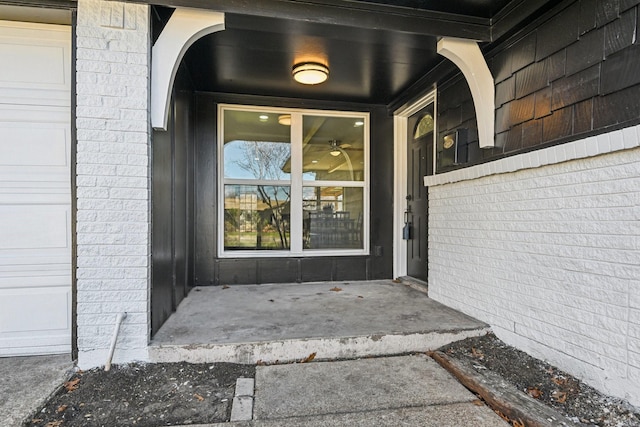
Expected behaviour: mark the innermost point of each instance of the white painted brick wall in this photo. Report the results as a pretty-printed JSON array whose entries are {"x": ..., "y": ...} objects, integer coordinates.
[
  {"x": 113, "y": 180},
  {"x": 550, "y": 257}
]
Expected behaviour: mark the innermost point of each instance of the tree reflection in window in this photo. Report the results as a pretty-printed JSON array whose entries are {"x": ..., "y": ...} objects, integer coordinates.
[
  {"x": 266, "y": 162},
  {"x": 256, "y": 214},
  {"x": 263, "y": 160}
]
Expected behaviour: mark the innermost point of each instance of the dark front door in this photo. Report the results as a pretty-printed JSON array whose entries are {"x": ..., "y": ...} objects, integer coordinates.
[{"x": 419, "y": 164}]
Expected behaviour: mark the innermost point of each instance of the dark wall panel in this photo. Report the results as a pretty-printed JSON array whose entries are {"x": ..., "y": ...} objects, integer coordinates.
[
  {"x": 351, "y": 268},
  {"x": 211, "y": 270},
  {"x": 237, "y": 271},
  {"x": 381, "y": 216},
  {"x": 172, "y": 196},
  {"x": 162, "y": 230},
  {"x": 274, "y": 270},
  {"x": 317, "y": 269},
  {"x": 182, "y": 138},
  {"x": 191, "y": 205},
  {"x": 205, "y": 191},
  {"x": 582, "y": 80},
  {"x": 620, "y": 70},
  {"x": 559, "y": 32}
]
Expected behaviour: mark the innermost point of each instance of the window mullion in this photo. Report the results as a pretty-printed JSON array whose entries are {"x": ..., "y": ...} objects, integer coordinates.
[{"x": 296, "y": 184}]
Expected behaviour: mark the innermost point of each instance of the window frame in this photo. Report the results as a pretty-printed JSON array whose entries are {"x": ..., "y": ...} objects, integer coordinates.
[{"x": 296, "y": 184}]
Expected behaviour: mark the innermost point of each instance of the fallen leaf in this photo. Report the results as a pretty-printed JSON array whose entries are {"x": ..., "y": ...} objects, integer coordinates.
[
  {"x": 560, "y": 396},
  {"x": 517, "y": 423},
  {"x": 72, "y": 385},
  {"x": 535, "y": 392},
  {"x": 260, "y": 363},
  {"x": 336, "y": 289},
  {"x": 309, "y": 358},
  {"x": 360, "y": 296},
  {"x": 397, "y": 281},
  {"x": 197, "y": 396},
  {"x": 477, "y": 353},
  {"x": 54, "y": 423},
  {"x": 37, "y": 420},
  {"x": 62, "y": 408},
  {"x": 225, "y": 286},
  {"x": 478, "y": 402},
  {"x": 559, "y": 381}
]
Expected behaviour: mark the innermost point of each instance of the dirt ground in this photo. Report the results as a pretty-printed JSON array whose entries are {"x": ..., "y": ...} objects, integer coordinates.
[
  {"x": 544, "y": 382},
  {"x": 182, "y": 393},
  {"x": 145, "y": 396}
]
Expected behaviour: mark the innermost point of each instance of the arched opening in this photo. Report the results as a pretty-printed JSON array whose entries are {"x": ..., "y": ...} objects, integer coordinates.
[
  {"x": 196, "y": 69},
  {"x": 184, "y": 28}
]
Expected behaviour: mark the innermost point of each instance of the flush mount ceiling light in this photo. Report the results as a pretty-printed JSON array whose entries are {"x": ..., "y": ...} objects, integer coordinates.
[
  {"x": 284, "y": 119},
  {"x": 310, "y": 73}
]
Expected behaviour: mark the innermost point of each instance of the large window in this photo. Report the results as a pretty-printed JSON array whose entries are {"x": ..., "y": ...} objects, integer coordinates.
[{"x": 292, "y": 182}]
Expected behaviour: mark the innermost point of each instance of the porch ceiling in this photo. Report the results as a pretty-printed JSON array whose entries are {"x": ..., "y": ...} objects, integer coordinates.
[{"x": 376, "y": 50}]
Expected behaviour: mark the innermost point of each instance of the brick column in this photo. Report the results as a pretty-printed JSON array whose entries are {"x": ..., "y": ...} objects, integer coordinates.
[{"x": 113, "y": 179}]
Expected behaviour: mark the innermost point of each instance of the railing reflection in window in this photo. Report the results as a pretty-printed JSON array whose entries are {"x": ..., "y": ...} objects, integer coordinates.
[
  {"x": 332, "y": 217},
  {"x": 256, "y": 217}
]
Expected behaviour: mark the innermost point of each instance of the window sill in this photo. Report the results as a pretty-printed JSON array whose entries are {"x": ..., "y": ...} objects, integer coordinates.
[{"x": 286, "y": 254}]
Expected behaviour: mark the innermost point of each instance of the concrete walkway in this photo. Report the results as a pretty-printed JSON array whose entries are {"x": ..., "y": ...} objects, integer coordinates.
[
  {"x": 287, "y": 322},
  {"x": 387, "y": 391},
  {"x": 27, "y": 382},
  {"x": 336, "y": 320}
]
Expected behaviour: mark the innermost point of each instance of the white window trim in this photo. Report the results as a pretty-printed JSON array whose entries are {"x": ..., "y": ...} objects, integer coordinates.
[{"x": 296, "y": 185}]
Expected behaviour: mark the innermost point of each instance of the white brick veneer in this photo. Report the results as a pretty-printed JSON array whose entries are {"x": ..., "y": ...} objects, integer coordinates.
[
  {"x": 550, "y": 257},
  {"x": 113, "y": 181}
]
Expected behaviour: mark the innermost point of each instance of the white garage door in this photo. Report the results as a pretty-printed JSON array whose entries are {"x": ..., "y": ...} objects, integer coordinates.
[{"x": 35, "y": 208}]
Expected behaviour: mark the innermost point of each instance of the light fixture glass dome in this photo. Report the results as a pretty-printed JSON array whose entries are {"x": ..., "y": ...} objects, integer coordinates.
[
  {"x": 284, "y": 119},
  {"x": 310, "y": 73}
]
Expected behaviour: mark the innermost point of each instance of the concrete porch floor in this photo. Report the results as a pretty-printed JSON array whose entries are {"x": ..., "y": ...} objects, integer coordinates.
[{"x": 288, "y": 322}]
